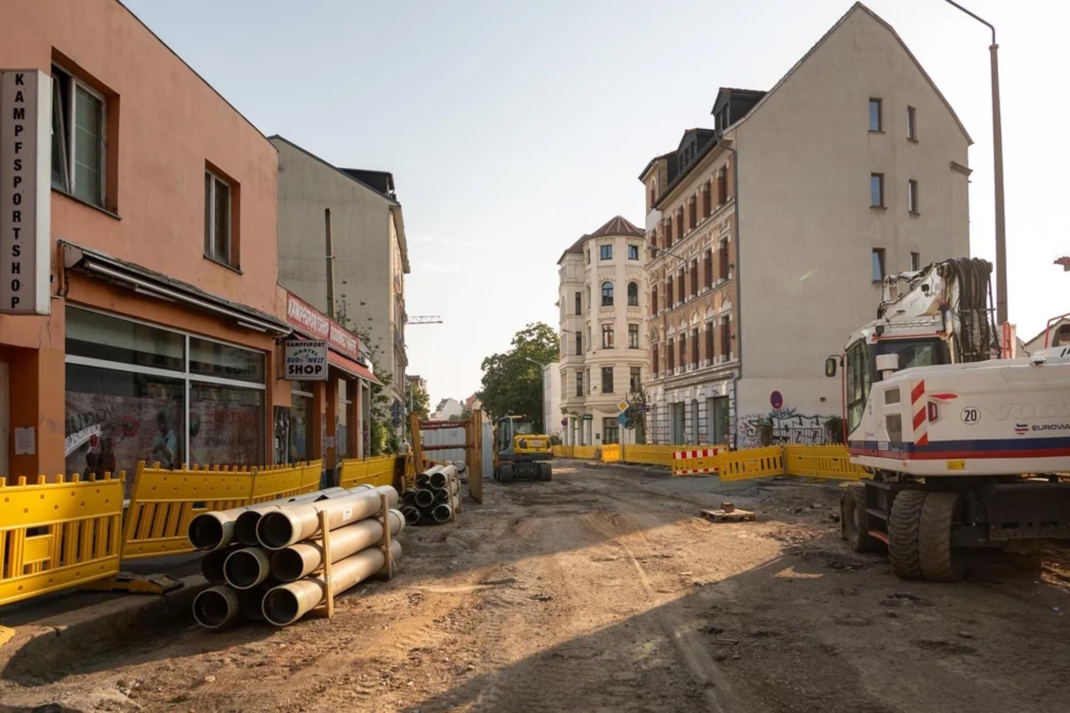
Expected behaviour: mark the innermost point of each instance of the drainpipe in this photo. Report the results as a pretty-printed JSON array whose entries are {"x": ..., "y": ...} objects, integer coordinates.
[{"x": 727, "y": 142}]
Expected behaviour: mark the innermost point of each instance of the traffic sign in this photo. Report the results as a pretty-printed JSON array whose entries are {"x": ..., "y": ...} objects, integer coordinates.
[
  {"x": 776, "y": 399},
  {"x": 622, "y": 405}
]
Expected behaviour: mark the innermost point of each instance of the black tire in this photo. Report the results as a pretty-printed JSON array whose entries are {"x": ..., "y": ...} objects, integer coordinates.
[
  {"x": 904, "y": 531},
  {"x": 939, "y": 562},
  {"x": 506, "y": 472},
  {"x": 858, "y": 537},
  {"x": 545, "y": 472}
]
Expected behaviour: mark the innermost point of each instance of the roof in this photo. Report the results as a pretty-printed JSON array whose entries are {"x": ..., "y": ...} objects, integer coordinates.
[
  {"x": 650, "y": 164},
  {"x": 381, "y": 181},
  {"x": 859, "y": 7},
  {"x": 618, "y": 225},
  {"x": 347, "y": 172},
  {"x": 575, "y": 249},
  {"x": 1064, "y": 262}
]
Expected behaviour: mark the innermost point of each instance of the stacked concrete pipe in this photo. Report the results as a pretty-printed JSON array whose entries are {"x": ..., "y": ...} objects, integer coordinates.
[{"x": 437, "y": 496}]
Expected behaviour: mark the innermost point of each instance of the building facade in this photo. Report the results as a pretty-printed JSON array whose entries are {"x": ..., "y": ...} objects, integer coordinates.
[
  {"x": 154, "y": 328},
  {"x": 370, "y": 253},
  {"x": 773, "y": 230},
  {"x": 551, "y": 401},
  {"x": 603, "y": 358}
]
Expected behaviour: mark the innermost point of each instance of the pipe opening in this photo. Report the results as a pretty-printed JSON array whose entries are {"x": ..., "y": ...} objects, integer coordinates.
[
  {"x": 280, "y": 606},
  {"x": 412, "y": 515},
  {"x": 206, "y": 532},
  {"x": 439, "y": 480},
  {"x": 212, "y": 566},
  {"x": 274, "y": 530},
  {"x": 425, "y": 498},
  {"x": 442, "y": 513},
  {"x": 211, "y": 609},
  {"x": 243, "y": 569},
  {"x": 245, "y": 527},
  {"x": 287, "y": 565}
]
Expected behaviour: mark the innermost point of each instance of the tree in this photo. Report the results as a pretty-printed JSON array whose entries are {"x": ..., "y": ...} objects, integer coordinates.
[
  {"x": 421, "y": 402},
  {"x": 382, "y": 436},
  {"x": 512, "y": 385}
]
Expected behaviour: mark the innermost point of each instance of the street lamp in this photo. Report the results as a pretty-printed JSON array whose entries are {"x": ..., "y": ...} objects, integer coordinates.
[{"x": 997, "y": 150}]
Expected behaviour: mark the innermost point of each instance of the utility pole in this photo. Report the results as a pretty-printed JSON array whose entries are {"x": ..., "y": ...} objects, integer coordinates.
[
  {"x": 997, "y": 150},
  {"x": 330, "y": 263}
]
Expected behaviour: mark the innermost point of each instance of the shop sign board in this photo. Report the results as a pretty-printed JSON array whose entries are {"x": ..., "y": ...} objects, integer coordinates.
[
  {"x": 305, "y": 360},
  {"x": 25, "y": 190},
  {"x": 313, "y": 323}
]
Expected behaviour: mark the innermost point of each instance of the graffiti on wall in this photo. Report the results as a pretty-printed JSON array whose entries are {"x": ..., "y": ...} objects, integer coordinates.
[{"x": 788, "y": 427}]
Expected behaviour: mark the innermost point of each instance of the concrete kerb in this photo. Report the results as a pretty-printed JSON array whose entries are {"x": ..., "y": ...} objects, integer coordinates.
[{"x": 44, "y": 648}]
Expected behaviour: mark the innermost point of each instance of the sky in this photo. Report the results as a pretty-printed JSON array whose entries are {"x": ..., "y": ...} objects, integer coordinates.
[{"x": 512, "y": 127}]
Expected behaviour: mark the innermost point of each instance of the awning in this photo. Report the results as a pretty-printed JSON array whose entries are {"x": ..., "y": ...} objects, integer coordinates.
[
  {"x": 351, "y": 367},
  {"x": 156, "y": 284}
]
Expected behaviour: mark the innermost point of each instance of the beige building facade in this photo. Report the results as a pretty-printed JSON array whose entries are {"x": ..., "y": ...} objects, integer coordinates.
[
  {"x": 603, "y": 359},
  {"x": 773, "y": 230}
]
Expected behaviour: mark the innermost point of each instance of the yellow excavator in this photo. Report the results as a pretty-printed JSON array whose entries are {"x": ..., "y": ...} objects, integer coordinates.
[{"x": 519, "y": 452}]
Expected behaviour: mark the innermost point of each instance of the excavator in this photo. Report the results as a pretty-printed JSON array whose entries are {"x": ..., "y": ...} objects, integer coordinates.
[
  {"x": 519, "y": 452},
  {"x": 967, "y": 446}
]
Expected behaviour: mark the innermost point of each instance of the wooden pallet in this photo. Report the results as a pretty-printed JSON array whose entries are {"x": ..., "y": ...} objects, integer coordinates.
[{"x": 734, "y": 516}]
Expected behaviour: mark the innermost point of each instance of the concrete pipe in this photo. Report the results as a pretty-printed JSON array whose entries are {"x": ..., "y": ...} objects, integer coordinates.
[
  {"x": 460, "y": 466},
  {"x": 294, "y": 523},
  {"x": 247, "y": 567},
  {"x": 287, "y": 603},
  {"x": 442, "y": 513},
  {"x": 442, "y": 478},
  {"x": 216, "y": 607},
  {"x": 246, "y": 522},
  {"x": 425, "y": 498},
  {"x": 296, "y": 561},
  {"x": 411, "y": 513},
  {"x": 409, "y": 498},
  {"x": 423, "y": 480},
  {"x": 251, "y": 601},
  {"x": 212, "y": 565},
  {"x": 442, "y": 496}
]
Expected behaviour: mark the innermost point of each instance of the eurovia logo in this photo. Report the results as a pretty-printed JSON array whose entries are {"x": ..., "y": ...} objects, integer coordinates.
[{"x": 1021, "y": 428}]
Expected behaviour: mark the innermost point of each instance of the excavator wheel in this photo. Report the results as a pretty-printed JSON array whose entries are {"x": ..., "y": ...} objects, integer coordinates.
[
  {"x": 904, "y": 534},
  {"x": 939, "y": 562},
  {"x": 546, "y": 472},
  {"x": 856, "y": 521},
  {"x": 506, "y": 472}
]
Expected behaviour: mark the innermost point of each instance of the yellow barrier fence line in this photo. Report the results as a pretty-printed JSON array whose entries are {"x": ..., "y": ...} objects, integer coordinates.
[
  {"x": 649, "y": 454},
  {"x": 831, "y": 462},
  {"x": 164, "y": 502},
  {"x": 611, "y": 453},
  {"x": 751, "y": 463},
  {"x": 382, "y": 470},
  {"x": 696, "y": 461},
  {"x": 586, "y": 452},
  {"x": 58, "y": 535}
]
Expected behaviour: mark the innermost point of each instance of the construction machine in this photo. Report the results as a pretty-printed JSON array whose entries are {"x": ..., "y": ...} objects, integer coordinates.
[
  {"x": 966, "y": 449},
  {"x": 519, "y": 452}
]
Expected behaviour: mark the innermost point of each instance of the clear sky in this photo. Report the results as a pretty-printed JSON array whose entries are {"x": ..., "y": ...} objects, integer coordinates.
[{"x": 514, "y": 127}]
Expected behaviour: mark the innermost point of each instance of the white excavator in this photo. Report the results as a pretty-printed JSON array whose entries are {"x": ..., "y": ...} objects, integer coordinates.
[{"x": 967, "y": 446}]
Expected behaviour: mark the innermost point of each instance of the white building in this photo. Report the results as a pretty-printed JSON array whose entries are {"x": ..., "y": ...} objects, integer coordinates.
[
  {"x": 775, "y": 228},
  {"x": 447, "y": 409},
  {"x": 603, "y": 357},
  {"x": 551, "y": 400}
]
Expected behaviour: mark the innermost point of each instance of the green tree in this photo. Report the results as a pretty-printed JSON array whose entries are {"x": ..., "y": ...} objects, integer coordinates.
[
  {"x": 420, "y": 403},
  {"x": 512, "y": 381}
]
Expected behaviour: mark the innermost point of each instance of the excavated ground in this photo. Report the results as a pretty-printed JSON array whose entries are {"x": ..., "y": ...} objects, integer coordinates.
[{"x": 603, "y": 591}]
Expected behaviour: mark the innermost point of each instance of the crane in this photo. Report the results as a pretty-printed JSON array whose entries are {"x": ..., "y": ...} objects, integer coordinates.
[{"x": 424, "y": 319}]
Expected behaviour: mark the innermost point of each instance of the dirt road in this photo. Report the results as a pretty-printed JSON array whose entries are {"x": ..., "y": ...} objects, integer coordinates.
[{"x": 602, "y": 591}]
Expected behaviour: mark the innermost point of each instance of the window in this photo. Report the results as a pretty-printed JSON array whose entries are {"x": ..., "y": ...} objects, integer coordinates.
[
  {"x": 668, "y": 293},
  {"x": 654, "y": 300},
  {"x": 579, "y": 343},
  {"x": 858, "y": 383},
  {"x": 694, "y": 278},
  {"x": 875, "y": 115},
  {"x": 722, "y": 186},
  {"x": 633, "y": 336},
  {"x": 607, "y": 336},
  {"x": 654, "y": 354},
  {"x": 607, "y": 294},
  {"x": 680, "y": 288},
  {"x": 876, "y": 190},
  {"x": 579, "y": 383},
  {"x": 605, "y": 252},
  {"x": 912, "y": 125},
  {"x": 679, "y": 224},
  {"x": 587, "y": 293},
  {"x": 610, "y": 431},
  {"x": 707, "y": 267},
  {"x": 693, "y": 211},
  {"x": 878, "y": 264},
  {"x": 683, "y": 350},
  {"x": 719, "y": 424},
  {"x": 707, "y": 208},
  {"x": 579, "y": 303},
  {"x": 726, "y": 339},
  {"x": 588, "y": 253},
  {"x": 587, "y": 378},
  {"x": 217, "y": 219},
  {"x": 653, "y": 199},
  {"x": 633, "y": 252},
  {"x": 607, "y": 380},
  {"x": 670, "y": 356},
  {"x": 722, "y": 258},
  {"x": 633, "y": 294},
  {"x": 300, "y": 422},
  {"x": 634, "y": 383},
  {"x": 694, "y": 347},
  {"x": 709, "y": 342},
  {"x": 79, "y": 131},
  {"x": 668, "y": 232},
  {"x": 912, "y": 197},
  {"x": 915, "y": 262}
]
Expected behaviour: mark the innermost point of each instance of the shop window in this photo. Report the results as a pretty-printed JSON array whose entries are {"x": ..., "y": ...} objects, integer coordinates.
[
  {"x": 97, "y": 336},
  {"x": 215, "y": 359},
  {"x": 218, "y": 220},
  {"x": 300, "y": 421},
  {"x": 341, "y": 439},
  {"x": 79, "y": 131},
  {"x": 226, "y": 425}
]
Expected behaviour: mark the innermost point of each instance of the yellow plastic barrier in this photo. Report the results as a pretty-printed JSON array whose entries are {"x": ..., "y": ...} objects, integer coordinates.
[
  {"x": 650, "y": 455},
  {"x": 57, "y": 535},
  {"x": 751, "y": 463},
  {"x": 384, "y": 470},
  {"x": 285, "y": 481},
  {"x": 563, "y": 452},
  {"x": 583, "y": 452},
  {"x": 611, "y": 453},
  {"x": 821, "y": 462},
  {"x": 696, "y": 461}
]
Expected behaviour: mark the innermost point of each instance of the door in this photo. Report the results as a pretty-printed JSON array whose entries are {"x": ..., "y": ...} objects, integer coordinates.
[{"x": 5, "y": 422}]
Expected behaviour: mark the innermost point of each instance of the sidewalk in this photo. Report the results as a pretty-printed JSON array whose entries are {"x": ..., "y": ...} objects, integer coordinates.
[{"x": 56, "y": 631}]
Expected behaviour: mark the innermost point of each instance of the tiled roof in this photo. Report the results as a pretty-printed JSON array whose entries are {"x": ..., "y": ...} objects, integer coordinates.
[{"x": 617, "y": 226}]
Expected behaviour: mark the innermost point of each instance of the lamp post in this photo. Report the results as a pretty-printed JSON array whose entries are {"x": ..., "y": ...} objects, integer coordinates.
[{"x": 997, "y": 150}]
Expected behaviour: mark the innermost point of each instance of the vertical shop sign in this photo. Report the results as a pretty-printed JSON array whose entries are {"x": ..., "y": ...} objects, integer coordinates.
[{"x": 25, "y": 203}]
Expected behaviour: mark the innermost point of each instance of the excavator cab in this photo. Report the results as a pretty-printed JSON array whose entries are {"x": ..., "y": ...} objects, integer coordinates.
[{"x": 519, "y": 452}]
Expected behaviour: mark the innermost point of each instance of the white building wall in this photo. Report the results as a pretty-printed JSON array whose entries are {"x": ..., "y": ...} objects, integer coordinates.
[{"x": 551, "y": 399}]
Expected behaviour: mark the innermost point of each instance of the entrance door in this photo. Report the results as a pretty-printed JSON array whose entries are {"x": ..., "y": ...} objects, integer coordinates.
[
  {"x": 679, "y": 415},
  {"x": 5, "y": 422}
]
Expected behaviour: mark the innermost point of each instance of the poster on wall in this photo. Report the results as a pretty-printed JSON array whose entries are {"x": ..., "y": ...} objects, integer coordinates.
[{"x": 225, "y": 426}]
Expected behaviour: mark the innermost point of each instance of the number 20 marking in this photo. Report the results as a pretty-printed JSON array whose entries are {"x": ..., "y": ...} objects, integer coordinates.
[{"x": 971, "y": 415}]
